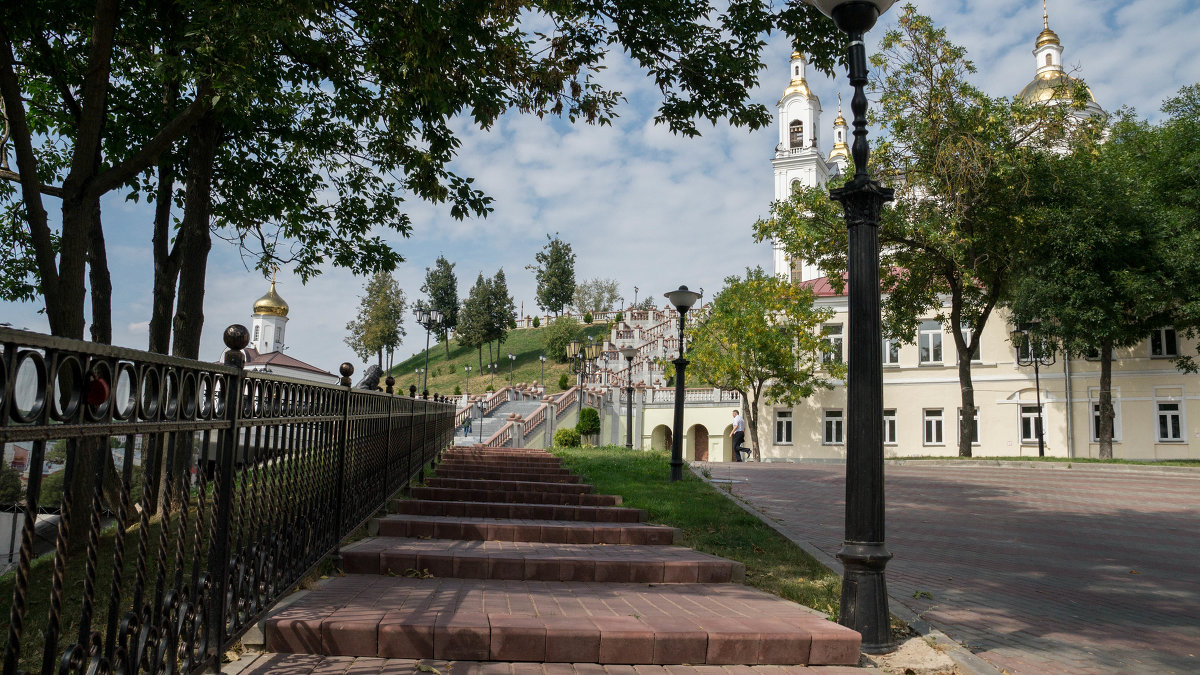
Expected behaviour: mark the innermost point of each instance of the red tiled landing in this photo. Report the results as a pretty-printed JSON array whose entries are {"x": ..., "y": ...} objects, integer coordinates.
[
  {"x": 511, "y": 496},
  {"x": 545, "y": 476},
  {"x": 501, "y": 529},
  {"x": 605, "y": 514},
  {"x": 607, "y": 623},
  {"x": 510, "y": 485},
  {"x": 538, "y": 561},
  {"x": 308, "y": 664}
]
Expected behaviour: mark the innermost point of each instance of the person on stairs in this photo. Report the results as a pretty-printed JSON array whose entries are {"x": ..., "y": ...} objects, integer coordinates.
[{"x": 739, "y": 437}]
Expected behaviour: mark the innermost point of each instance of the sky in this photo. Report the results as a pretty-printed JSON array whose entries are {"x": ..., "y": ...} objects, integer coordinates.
[{"x": 636, "y": 203}]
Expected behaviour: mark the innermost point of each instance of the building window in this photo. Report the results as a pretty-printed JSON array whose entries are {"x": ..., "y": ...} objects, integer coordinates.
[
  {"x": 1049, "y": 60},
  {"x": 279, "y": 337},
  {"x": 1096, "y": 421},
  {"x": 834, "y": 428},
  {"x": 1170, "y": 421},
  {"x": 974, "y": 426},
  {"x": 783, "y": 427},
  {"x": 256, "y": 333},
  {"x": 933, "y": 427},
  {"x": 1163, "y": 342},
  {"x": 796, "y": 134},
  {"x": 1092, "y": 354},
  {"x": 968, "y": 332},
  {"x": 889, "y": 426},
  {"x": 796, "y": 186},
  {"x": 1031, "y": 424},
  {"x": 930, "y": 342},
  {"x": 891, "y": 352},
  {"x": 832, "y": 351}
]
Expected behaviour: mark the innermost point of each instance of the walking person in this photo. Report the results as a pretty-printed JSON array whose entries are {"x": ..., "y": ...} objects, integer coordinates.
[{"x": 739, "y": 436}]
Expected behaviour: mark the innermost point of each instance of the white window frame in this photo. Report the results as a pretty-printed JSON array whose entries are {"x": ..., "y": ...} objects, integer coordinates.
[
  {"x": 889, "y": 426},
  {"x": 835, "y": 335},
  {"x": 256, "y": 330},
  {"x": 1161, "y": 335},
  {"x": 958, "y": 431},
  {"x": 925, "y": 344},
  {"x": 833, "y": 427},
  {"x": 1095, "y": 419},
  {"x": 783, "y": 427},
  {"x": 891, "y": 352},
  {"x": 933, "y": 426},
  {"x": 968, "y": 332},
  {"x": 1162, "y": 415},
  {"x": 1030, "y": 411}
]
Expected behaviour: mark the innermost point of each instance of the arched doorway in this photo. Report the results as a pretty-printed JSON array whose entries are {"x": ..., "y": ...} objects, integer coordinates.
[
  {"x": 660, "y": 438},
  {"x": 727, "y": 444},
  {"x": 697, "y": 443}
]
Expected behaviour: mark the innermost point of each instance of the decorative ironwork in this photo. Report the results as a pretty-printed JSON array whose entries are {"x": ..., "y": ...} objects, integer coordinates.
[{"x": 215, "y": 492}]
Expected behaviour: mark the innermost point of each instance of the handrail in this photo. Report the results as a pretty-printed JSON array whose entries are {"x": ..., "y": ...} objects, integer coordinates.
[
  {"x": 501, "y": 438},
  {"x": 247, "y": 475}
]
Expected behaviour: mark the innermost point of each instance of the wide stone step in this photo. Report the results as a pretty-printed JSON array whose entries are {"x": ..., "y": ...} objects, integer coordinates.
[
  {"x": 509, "y": 485},
  {"x": 538, "y": 561},
  {"x": 562, "y": 621},
  {"x": 501, "y": 455},
  {"x": 531, "y": 497},
  {"x": 607, "y": 514},
  {"x": 305, "y": 664},
  {"x": 500, "y": 529},
  {"x": 529, "y": 467},
  {"x": 502, "y": 474}
]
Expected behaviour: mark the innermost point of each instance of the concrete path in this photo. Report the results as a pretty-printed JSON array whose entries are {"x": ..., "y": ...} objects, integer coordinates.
[{"x": 1037, "y": 570}]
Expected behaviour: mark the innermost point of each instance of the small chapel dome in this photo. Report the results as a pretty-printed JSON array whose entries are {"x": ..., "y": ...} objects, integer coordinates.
[
  {"x": 1051, "y": 86},
  {"x": 271, "y": 303}
]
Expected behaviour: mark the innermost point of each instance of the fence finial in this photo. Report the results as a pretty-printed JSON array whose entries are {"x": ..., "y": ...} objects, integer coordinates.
[
  {"x": 236, "y": 338},
  {"x": 346, "y": 370}
]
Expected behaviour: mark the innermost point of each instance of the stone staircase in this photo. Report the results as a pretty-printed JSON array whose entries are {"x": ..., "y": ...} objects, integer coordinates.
[{"x": 505, "y": 562}]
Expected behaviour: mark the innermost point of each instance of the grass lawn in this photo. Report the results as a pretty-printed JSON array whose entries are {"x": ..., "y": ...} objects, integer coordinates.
[
  {"x": 1066, "y": 460},
  {"x": 710, "y": 522}
]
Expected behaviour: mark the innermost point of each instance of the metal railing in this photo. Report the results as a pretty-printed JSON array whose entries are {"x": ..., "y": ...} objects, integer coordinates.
[{"x": 195, "y": 496}]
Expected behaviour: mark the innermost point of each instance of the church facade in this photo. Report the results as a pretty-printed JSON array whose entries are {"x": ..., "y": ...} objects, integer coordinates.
[{"x": 1157, "y": 406}]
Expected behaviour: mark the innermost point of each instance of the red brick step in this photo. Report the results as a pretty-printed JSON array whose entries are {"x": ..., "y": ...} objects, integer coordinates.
[
  {"x": 502, "y": 529},
  {"x": 531, "y": 497},
  {"x": 510, "y": 485},
  {"x": 503, "y": 474},
  {"x": 607, "y": 514}
]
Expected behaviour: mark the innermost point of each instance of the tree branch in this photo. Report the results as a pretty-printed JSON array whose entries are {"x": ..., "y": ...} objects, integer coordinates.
[{"x": 15, "y": 177}]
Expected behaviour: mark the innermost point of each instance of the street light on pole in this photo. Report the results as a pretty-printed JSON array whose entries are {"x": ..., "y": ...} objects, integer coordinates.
[
  {"x": 1034, "y": 355},
  {"x": 542, "y": 358},
  {"x": 864, "y": 604},
  {"x": 467, "y": 369},
  {"x": 682, "y": 299},
  {"x": 512, "y": 358},
  {"x": 427, "y": 318},
  {"x": 479, "y": 403},
  {"x": 492, "y": 380},
  {"x": 629, "y": 353}
]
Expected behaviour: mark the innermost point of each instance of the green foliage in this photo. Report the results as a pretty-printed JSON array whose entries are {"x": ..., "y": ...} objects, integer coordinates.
[
  {"x": 761, "y": 337},
  {"x": 596, "y": 295},
  {"x": 536, "y": 322},
  {"x": 645, "y": 305},
  {"x": 558, "y": 334},
  {"x": 502, "y": 311},
  {"x": 10, "y": 485},
  {"x": 379, "y": 326},
  {"x": 619, "y": 317},
  {"x": 564, "y": 382},
  {"x": 457, "y": 390},
  {"x": 587, "y": 317},
  {"x": 441, "y": 286},
  {"x": 473, "y": 319},
  {"x": 555, "y": 273},
  {"x": 589, "y": 422},
  {"x": 566, "y": 437}
]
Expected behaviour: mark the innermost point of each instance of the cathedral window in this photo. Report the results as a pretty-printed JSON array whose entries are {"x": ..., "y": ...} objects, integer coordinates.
[
  {"x": 256, "y": 328},
  {"x": 1049, "y": 60},
  {"x": 796, "y": 134}
]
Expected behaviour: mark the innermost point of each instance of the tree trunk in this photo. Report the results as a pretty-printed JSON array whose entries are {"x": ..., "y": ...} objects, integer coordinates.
[
  {"x": 195, "y": 238},
  {"x": 966, "y": 423},
  {"x": 1107, "y": 412},
  {"x": 750, "y": 412},
  {"x": 446, "y": 339},
  {"x": 101, "y": 281},
  {"x": 379, "y": 355},
  {"x": 166, "y": 262}
]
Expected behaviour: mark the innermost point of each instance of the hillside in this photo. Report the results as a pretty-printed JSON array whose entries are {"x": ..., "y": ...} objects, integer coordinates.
[{"x": 444, "y": 374}]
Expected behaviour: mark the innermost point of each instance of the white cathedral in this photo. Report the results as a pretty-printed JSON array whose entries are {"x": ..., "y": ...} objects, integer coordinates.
[
  {"x": 265, "y": 353},
  {"x": 1153, "y": 400}
]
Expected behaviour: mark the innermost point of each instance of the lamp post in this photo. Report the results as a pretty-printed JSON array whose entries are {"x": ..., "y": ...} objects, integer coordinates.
[
  {"x": 575, "y": 358},
  {"x": 1023, "y": 336},
  {"x": 682, "y": 299},
  {"x": 629, "y": 353},
  {"x": 492, "y": 380},
  {"x": 542, "y": 358},
  {"x": 479, "y": 403},
  {"x": 512, "y": 358},
  {"x": 467, "y": 370},
  {"x": 427, "y": 318},
  {"x": 863, "y": 554}
]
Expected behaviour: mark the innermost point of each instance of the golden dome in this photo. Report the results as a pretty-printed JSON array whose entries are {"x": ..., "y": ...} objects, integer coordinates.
[
  {"x": 839, "y": 150},
  {"x": 1053, "y": 85},
  {"x": 271, "y": 303},
  {"x": 839, "y": 121},
  {"x": 797, "y": 55},
  {"x": 1046, "y": 37}
]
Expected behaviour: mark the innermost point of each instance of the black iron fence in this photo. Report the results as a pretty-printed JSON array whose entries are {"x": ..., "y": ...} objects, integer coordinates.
[{"x": 190, "y": 496}]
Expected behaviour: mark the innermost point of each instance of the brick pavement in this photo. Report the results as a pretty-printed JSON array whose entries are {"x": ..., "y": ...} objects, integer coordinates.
[{"x": 1037, "y": 570}]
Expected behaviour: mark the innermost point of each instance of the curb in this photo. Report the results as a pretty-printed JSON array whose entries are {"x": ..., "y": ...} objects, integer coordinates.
[{"x": 967, "y": 661}]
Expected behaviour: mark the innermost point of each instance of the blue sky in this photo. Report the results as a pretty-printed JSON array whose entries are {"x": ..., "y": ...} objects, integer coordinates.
[{"x": 638, "y": 204}]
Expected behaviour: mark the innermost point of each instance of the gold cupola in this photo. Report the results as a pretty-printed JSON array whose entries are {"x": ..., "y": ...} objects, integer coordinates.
[
  {"x": 799, "y": 85},
  {"x": 840, "y": 151},
  {"x": 271, "y": 303},
  {"x": 1050, "y": 82}
]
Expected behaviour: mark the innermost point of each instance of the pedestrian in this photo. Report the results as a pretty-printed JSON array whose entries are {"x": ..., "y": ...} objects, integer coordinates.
[{"x": 739, "y": 436}]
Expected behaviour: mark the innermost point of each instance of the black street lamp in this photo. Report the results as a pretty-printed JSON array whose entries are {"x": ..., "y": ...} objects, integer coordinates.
[
  {"x": 512, "y": 358},
  {"x": 427, "y": 318},
  {"x": 682, "y": 299},
  {"x": 863, "y": 554},
  {"x": 1034, "y": 355},
  {"x": 629, "y": 353},
  {"x": 542, "y": 358},
  {"x": 492, "y": 381},
  {"x": 467, "y": 370},
  {"x": 479, "y": 403}
]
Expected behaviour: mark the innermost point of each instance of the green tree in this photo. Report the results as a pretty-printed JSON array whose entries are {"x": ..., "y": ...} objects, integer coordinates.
[
  {"x": 502, "y": 311},
  {"x": 558, "y": 334},
  {"x": 761, "y": 338},
  {"x": 474, "y": 319},
  {"x": 961, "y": 163},
  {"x": 11, "y": 490},
  {"x": 441, "y": 285},
  {"x": 596, "y": 295},
  {"x": 379, "y": 326},
  {"x": 555, "y": 273},
  {"x": 589, "y": 422}
]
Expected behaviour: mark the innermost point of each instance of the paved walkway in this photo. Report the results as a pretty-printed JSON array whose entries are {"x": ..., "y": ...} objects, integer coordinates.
[{"x": 1037, "y": 570}]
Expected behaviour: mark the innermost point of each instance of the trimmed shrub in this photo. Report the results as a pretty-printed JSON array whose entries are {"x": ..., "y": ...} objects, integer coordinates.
[
  {"x": 620, "y": 317},
  {"x": 589, "y": 422},
  {"x": 559, "y": 334},
  {"x": 457, "y": 390},
  {"x": 566, "y": 438},
  {"x": 564, "y": 382},
  {"x": 587, "y": 317},
  {"x": 536, "y": 322}
]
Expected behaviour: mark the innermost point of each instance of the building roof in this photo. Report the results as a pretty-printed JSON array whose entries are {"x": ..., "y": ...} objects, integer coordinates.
[
  {"x": 822, "y": 288},
  {"x": 255, "y": 358}
]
